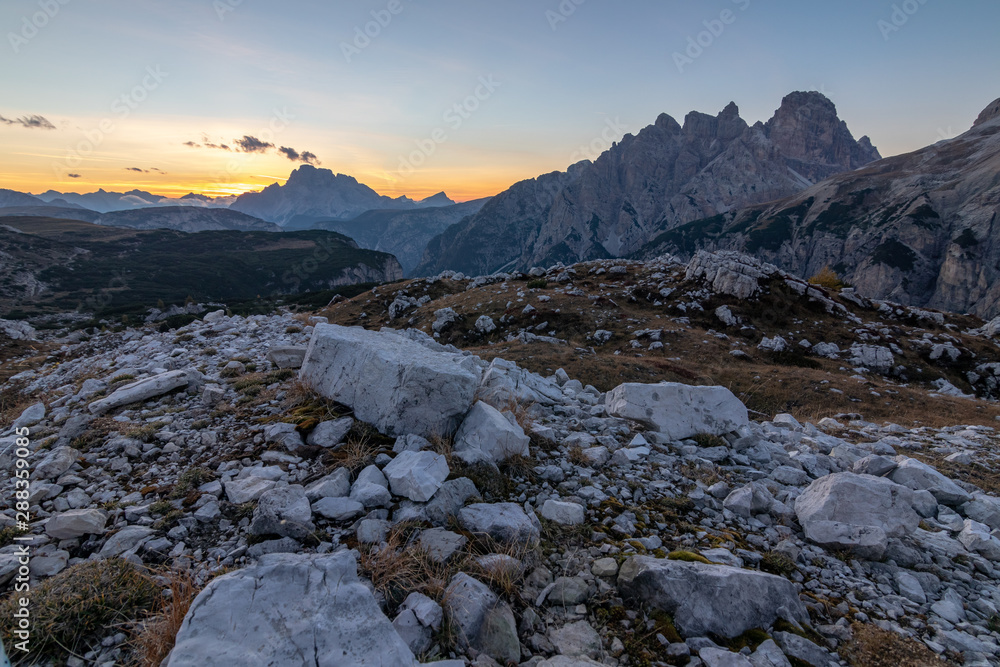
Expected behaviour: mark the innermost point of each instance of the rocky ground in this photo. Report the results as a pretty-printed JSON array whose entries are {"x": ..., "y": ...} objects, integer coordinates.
[{"x": 364, "y": 496}]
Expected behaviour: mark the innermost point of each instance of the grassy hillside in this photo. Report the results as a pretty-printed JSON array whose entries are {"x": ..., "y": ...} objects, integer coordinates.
[{"x": 55, "y": 265}]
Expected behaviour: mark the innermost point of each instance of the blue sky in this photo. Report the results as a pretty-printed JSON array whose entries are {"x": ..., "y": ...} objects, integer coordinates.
[{"x": 560, "y": 76}]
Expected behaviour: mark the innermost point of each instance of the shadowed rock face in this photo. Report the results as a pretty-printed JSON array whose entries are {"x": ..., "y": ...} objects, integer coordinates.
[
  {"x": 664, "y": 176},
  {"x": 917, "y": 229}
]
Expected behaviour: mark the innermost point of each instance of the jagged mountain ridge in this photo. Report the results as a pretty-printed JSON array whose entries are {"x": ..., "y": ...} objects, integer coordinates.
[
  {"x": 664, "y": 176},
  {"x": 103, "y": 201},
  {"x": 919, "y": 228},
  {"x": 312, "y": 195}
]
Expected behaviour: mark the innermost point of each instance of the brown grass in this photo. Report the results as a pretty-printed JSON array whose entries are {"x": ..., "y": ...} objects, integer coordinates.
[
  {"x": 402, "y": 567},
  {"x": 874, "y": 647},
  {"x": 154, "y": 638},
  {"x": 83, "y": 604}
]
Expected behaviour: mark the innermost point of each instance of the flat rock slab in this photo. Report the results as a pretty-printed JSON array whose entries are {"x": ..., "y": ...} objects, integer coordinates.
[
  {"x": 391, "y": 381},
  {"x": 142, "y": 390},
  {"x": 716, "y": 599},
  {"x": 289, "y": 609},
  {"x": 678, "y": 410},
  {"x": 287, "y": 357}
]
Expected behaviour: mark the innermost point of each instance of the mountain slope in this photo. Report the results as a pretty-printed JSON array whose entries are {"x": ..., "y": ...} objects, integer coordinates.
[
  {"x": 186, "y": 219},
  {"x": 663, "y": 177},
  {"x": 404, "y": 234},
  {"x": 15, "y": 198},
  {"x": 51, "y": 265},
  {"x": 919, "y": 229},
  {"x": 311, "y": 195},
  {"x": 45, "y": 211}
]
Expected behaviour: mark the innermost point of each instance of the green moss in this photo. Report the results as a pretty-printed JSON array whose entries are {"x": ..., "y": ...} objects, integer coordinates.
[{"x": 688, "y": 557}]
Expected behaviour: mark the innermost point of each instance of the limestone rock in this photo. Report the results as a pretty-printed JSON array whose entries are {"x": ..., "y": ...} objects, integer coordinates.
[
  {"x": 679, "y": 411},
  {"x": 391, "y": 381},
  {"x": 289, "y": 609},
  {"x": 705, "y": 599}
]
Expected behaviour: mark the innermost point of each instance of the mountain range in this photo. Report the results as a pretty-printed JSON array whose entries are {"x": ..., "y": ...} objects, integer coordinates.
[
  {"x": 919, "y": 229},
  {"x": 665, "y": 176}
]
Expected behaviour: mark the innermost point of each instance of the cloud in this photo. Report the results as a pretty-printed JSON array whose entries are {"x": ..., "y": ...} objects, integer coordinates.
[
  {"x": 207, "y": 144},
  {"x": 32, "y": 122},
  {"x": 250, "y": 144},
  {"x": 74, "y": 175},
  {"x": 141, "y": 171},
  {"x": 305, "y": 157}
]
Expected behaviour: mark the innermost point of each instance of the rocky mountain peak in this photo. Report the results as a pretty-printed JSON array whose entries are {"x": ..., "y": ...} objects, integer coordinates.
[
  {"x": 989, "y": 113},
  {"x": 806, "y": 128}
]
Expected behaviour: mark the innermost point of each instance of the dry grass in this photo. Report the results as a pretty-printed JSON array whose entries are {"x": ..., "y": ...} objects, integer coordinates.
[
  {"x": 83, "y": 604},
  {"x": 874, "y": 647},
  {"x": 154, "y": 637},
  {"x": 359, "y": 450},
  {"x": 401, "y": 567}
]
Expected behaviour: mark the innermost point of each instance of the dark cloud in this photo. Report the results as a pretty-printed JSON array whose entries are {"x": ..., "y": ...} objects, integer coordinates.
[
  {"x": 159, "y": 171},
  {"x": 33, "y": 122},
  {"x": 192, "y": 144},
  {"x": 250, "y": 144},
  {"x": 305, "y": 157},
  {"x": 74, "y": 175},
  {"x": 221, "y": 147},
  {"x": 141, "y": 171}
]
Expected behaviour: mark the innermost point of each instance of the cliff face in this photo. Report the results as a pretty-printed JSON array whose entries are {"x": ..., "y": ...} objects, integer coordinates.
[
  {"x": 919, "y": 228},
  {"x": 666, "y": 175}
]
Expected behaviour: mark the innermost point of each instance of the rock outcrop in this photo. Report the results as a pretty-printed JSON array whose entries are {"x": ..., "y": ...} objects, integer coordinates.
[{"x": 663, "y": 177}]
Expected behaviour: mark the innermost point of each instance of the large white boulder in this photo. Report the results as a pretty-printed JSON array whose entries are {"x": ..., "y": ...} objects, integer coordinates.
[
  {"x": 289, "y": 609},
  {"x": 678, "y": 410},
  {"x": 718, "y": 599},
  {"x": 390, "y": 380},
  {"x": 416, "y": 475},
  {"x": 490, "y": 435},
  {"x": 858, "y": 513}
]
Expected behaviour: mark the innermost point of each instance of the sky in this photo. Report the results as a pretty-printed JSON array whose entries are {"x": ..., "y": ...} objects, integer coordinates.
[{"x": 414, "y": 97}]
